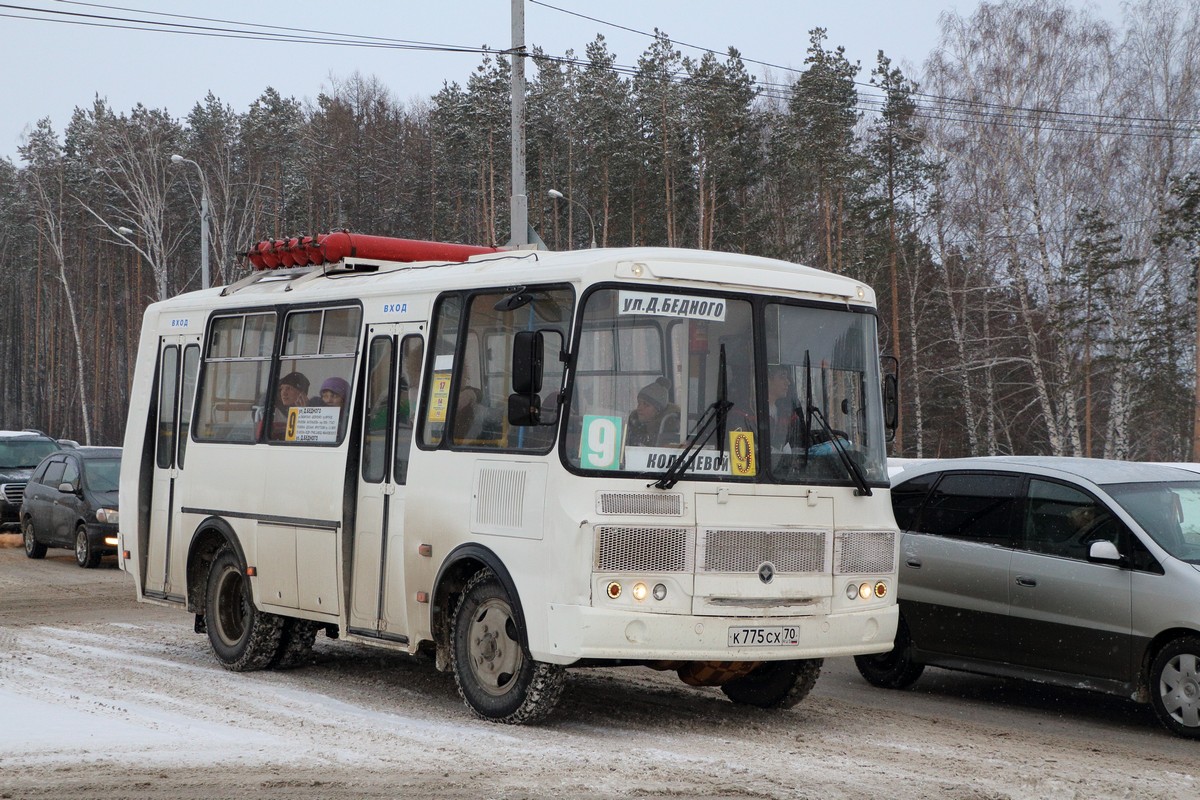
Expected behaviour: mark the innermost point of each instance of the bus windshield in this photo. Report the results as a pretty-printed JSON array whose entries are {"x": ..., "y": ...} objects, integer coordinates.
[{"x": 652, "y": 365}]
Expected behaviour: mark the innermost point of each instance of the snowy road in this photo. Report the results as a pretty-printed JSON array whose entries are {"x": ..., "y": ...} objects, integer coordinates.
[{"x": 103, "y": 698}]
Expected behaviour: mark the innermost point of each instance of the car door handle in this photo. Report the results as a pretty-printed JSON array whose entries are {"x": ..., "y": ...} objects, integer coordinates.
[
  {"x": 915, "y": 563},
  {"x": 1023, "y": 581}
]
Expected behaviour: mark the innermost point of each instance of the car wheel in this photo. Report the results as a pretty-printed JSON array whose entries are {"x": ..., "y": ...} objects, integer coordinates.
[
  {"x": 775, "y": 684},
  {"x": 86, "y": 556},
  {"x": 33, "y": 548},
  {"x": 242, "y": 637},
  {"x": 894, "y": 669},
  {"x": 1175, "y": 686},
  {"x": 496, "y": 676}
]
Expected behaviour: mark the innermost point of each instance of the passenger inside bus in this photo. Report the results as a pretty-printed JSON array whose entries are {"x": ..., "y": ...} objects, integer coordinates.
[
  {"x": 292, "y": 391},
  {"x": 655, "y": 420},
  {"x": 333, "y": 392},
  {"x": 469, "y": 415},
  {"x": 781, "y": 405}
]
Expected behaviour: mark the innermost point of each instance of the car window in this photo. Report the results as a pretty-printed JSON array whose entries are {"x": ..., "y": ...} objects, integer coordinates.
[
  {"x": 907, "y": 497},
  {"x": 25, "y": 453},
  {"x": 1061, "y": 520},
  {"x": 103, "y": 474},
  {"x": 1169, "y": 512},
  {"x": 972, "y": 506},
  {"x": 71, "y": 472},
  {"x": 39, "y": 475},
  {"x": 54, "y": 473}
]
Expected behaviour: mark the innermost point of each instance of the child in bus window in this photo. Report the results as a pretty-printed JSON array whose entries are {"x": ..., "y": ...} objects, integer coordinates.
[{"x": 333, "y": 392}]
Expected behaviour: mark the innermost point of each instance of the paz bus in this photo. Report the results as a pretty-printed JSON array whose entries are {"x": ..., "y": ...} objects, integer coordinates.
[{"x": 538, "y": 460}]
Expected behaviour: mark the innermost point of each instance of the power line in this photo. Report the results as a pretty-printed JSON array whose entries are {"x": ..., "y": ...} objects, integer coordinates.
[
  {"x": 945, "y": 109},
  {"x": 1091, "y": 117}
]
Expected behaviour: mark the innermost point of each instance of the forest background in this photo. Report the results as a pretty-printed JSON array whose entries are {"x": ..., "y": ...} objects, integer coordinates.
[{"x": 1028, "y": 209}]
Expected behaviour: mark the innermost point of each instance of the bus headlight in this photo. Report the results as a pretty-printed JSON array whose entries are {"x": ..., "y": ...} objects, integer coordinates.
[
  {"x": 660, "y": 591},
  {"x": 864, "y": 591},
  {"x": 640, "y": 591}
]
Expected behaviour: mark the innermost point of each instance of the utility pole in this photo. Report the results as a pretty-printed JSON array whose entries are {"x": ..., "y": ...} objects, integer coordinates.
[{"x": 519, "y": 203}]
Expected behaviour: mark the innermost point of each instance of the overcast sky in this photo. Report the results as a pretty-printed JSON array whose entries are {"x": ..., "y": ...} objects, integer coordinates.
[{"x": 53, "y": 67}]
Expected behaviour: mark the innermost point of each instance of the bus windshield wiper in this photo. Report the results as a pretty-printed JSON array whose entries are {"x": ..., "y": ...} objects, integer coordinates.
[
  {"x": 852, "y": 468},
  {"x": 713, "y": 420}
]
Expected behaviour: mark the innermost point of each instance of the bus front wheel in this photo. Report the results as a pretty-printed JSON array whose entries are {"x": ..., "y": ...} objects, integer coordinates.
[
  {"x": 775, "y": 684},
  {"x": 496, "y": 676},
  {"x": 242, "y": 637}
]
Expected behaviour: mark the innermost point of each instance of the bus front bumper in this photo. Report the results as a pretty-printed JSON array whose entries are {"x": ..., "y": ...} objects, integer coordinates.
[{"x": 582, "y": 632}]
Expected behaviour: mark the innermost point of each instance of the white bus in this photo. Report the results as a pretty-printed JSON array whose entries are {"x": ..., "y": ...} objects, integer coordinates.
[{"x": 538, "y": 460}]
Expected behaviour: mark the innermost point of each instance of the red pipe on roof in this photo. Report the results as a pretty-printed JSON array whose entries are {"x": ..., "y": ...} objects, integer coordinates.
[{"x": 333, "y": 247}]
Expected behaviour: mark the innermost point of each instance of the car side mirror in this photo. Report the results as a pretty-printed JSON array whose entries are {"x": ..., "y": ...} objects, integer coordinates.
[
  {"x": 68, "y": 488},
  {"x": 1103, "y": 550}
]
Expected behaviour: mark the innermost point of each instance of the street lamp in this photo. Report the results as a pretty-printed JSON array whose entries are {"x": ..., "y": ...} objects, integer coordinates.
[
  {"x": 204, "y": 275},
  {"x": 557, "y": 195}
]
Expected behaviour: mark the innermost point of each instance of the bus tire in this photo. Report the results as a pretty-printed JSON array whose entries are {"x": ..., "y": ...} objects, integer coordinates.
[
  {"x": 894, "y": 669},
  {"x": 295, "y": 643},
  {"x": 242, "y": 637},
  {"x": 775, "y": 684},
  {"x": 33, "y": 548},
  {"x": 496, "y": 676}
]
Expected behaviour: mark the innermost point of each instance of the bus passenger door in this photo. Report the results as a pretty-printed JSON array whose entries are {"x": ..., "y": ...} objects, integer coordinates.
[
  {"x": 178, "y": 362},
  {"x": 393, "y": 369}
]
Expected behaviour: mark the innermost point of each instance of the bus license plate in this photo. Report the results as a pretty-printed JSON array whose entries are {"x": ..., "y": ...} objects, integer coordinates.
[{"x": 771, "y": 636}]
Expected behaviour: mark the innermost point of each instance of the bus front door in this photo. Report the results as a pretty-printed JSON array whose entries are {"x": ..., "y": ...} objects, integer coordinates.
[
  {"x": 178, "y": 362},
  {"x": 393, "y": 367}
]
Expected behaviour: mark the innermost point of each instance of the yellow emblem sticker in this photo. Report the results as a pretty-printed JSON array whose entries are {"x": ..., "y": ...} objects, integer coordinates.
[{"x": 741, "y": 451}]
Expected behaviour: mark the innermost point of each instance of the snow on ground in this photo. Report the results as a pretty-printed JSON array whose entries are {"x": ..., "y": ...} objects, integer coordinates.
[{"x": 103, "y": 698}]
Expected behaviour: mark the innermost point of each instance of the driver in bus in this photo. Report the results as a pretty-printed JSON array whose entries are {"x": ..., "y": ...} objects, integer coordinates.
[{"x": 655, "y": 421}]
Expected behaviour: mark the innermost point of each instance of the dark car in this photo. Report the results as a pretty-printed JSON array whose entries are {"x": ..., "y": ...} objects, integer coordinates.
[
  {"x": 1077, "y": 572},
  {"x": 20, "y": 452},
  {"x": 71, "y": 501}
]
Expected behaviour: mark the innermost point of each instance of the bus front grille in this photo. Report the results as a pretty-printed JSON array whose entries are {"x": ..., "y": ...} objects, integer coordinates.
[
  {"x": 867, "y": 551},
  {"x": 643, "y": 503},
  {"x": 739, "y": 550},
  {"x": 643, "y": 549}
]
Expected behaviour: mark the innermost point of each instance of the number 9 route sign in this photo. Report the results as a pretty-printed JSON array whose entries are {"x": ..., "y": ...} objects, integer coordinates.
[{"x": 601, "y": 445}]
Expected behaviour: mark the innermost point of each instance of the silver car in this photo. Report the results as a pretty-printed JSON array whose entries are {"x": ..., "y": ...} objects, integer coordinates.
[{"x": 1072, "y": 571}]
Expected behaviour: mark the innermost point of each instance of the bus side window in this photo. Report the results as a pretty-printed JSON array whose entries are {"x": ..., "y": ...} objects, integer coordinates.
[{"x": 412, "y": 349}]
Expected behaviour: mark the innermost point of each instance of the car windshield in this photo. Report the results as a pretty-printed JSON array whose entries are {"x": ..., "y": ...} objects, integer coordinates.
[
  {"x": 24, "y": 453},
  {"x": 103, "y": 474},
  {"x": 1169, "y": 512}
]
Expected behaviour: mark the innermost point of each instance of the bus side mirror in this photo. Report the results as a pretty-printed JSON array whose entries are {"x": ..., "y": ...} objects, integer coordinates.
[
  {"x": 891, "y": 394},
  {"x": 891, "y": 402},
  {"x": 524, "y": 409},
  {"x": 528, "y": 357}
]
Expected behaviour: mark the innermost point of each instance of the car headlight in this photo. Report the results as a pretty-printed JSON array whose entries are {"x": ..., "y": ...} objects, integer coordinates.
[{"x": 107, "y": 515}]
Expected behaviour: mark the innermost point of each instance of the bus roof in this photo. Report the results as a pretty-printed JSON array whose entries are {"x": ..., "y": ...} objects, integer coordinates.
[{"x": 668, "y": 266}]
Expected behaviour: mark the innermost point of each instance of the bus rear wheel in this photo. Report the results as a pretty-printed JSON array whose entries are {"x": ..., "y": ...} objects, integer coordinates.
[
  {"x": 496, "y": 676},
  {"x": 242, "y": 637},
  {"x": 775, "y": 684},
  {"x": 295, "y": 643}
]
